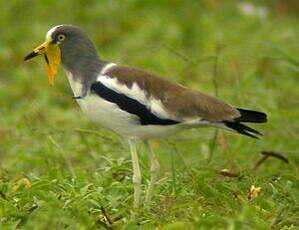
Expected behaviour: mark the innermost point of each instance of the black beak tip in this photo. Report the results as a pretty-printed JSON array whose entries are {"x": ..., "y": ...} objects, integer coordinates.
[{"x": 30, "y": 55}]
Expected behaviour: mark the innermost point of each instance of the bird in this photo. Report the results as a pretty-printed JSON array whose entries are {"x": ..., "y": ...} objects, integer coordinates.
[{"x": 135, "y": 104}]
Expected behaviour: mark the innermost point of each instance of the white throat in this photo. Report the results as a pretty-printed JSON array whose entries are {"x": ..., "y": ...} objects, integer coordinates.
[{"x": 77, "y": 86}]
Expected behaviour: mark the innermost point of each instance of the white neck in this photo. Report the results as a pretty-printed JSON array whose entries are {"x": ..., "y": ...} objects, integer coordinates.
[{"x": 76, "y": 86}]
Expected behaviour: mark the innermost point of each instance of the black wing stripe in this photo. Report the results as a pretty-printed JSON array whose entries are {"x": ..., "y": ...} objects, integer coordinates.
[{"x": 130, "y": 105}]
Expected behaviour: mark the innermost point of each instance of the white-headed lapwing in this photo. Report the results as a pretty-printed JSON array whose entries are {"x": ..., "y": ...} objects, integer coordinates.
[{"x": 135, "y": 104}]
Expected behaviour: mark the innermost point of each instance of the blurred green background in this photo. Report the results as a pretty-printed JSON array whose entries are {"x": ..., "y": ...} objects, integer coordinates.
[{"x": 60, "y": 171}]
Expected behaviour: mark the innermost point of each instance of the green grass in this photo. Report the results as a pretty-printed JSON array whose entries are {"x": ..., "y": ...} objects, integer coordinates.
[{"x": 60, "y": 171}]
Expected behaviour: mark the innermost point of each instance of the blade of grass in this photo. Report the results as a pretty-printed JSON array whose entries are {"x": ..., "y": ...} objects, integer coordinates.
[{"x": 63, "y": 154}]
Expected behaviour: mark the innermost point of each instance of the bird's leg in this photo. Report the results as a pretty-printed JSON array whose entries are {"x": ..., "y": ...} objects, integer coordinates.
[
  {"x": 155, "y": 167},
  {"x": 136, "y": 173}
]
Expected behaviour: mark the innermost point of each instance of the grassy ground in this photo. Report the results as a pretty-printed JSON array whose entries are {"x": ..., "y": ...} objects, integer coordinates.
[{"x": 60, "y": 171}]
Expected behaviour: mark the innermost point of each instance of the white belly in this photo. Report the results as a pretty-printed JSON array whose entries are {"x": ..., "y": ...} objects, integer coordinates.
[{"x": 110, "y": 116}]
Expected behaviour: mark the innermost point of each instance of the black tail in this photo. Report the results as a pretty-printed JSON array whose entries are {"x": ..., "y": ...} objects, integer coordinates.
[
  {"x": 251, "y": 116},
  {"x": 246, "y": 116},
  {"x": 242, "y": 129}
]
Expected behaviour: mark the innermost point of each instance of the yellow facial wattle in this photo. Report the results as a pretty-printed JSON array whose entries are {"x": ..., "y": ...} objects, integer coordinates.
[{"x": 53, "y": 58}]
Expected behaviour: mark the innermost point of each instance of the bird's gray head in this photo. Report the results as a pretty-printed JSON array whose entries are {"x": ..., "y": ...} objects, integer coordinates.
[{"x": 71, "y": 46}]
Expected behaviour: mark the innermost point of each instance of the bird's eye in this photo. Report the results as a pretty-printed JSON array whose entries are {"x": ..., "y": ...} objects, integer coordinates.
[{"x": 61, "y": 37}]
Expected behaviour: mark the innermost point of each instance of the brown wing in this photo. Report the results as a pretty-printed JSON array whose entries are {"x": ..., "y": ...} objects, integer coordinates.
[{"x": 178, "y": 101}]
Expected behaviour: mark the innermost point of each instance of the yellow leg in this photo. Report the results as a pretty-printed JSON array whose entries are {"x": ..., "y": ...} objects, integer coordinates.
[
  {"x": 136, "y": 173},
  {"x": 155, "y": 167}
]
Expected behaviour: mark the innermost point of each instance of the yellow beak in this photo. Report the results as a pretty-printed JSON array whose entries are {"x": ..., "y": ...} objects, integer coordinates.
[{"x": 52, "y": 57}]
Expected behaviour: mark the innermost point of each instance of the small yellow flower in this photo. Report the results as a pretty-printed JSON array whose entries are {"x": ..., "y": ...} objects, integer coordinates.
[
  {"x": 22, "y": 182},
  {"x": 253, "y": 192}
]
